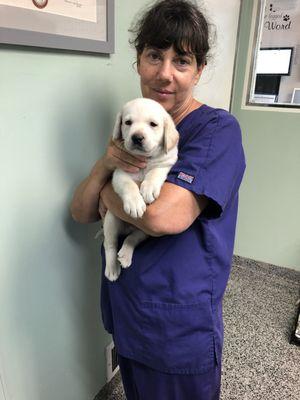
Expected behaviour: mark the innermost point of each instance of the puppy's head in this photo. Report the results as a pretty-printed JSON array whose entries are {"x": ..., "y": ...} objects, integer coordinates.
[{"x": 145, "y": 127}]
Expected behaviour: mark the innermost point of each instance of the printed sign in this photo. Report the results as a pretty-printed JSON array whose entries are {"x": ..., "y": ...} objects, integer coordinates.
[{"x": 279, "y": 15}]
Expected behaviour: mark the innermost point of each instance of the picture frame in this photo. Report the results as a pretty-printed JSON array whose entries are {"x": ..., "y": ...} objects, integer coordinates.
[{"x": 76, "y": 25}]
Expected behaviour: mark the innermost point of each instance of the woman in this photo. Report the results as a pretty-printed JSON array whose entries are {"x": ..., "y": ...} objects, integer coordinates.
[{"x": 165, "y": 311}]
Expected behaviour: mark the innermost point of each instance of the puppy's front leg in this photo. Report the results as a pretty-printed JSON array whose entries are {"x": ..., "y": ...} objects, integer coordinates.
[
  {"x": 151, "y": 185},
  {"x": 128, "y": 190}
]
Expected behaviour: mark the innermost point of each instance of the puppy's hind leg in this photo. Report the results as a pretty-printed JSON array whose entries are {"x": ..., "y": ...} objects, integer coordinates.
[
  {"x": 111, "y": 229},
  {"x": 126, "y": 252}
]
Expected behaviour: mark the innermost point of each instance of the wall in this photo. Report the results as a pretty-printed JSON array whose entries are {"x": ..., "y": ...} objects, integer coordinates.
[
  {"x": 268, "y": 228},
  {"x": 216, "y": 81},
  {"x": 57, "y": 110},
  {"x": 56, "y": 113}
]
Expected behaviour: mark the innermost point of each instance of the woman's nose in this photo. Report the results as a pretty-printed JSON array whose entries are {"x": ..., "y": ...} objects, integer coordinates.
[{"x": 165, "y": 72}]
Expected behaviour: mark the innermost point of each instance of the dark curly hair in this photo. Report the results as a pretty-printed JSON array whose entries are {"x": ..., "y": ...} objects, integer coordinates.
[{"x": 173, "y": 22}]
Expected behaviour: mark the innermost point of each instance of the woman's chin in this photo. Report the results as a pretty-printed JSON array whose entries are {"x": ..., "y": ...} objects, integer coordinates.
[
  {"x": 162, "y": 100},
  {"x": 165, "y": 104}
]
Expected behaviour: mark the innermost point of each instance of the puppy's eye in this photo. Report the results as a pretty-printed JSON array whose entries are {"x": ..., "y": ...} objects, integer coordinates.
[
  {"x": 128, "y": 122},
  {"x": 153, "y": 124}
]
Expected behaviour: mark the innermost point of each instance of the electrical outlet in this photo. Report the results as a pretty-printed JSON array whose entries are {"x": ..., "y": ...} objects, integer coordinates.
[{"x": 112, "y": 366}]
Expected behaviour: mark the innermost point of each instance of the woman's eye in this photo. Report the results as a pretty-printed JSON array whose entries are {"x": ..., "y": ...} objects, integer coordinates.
[
  {"x": 153, "y": 124},
  {"x": 153, "y": 56},
  {"x": 128, "y": 122},
  {"x": 182, "y": 62}
]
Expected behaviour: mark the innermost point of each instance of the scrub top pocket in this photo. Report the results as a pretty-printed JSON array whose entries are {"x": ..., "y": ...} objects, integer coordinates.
[{"x": 180, "y": 335}]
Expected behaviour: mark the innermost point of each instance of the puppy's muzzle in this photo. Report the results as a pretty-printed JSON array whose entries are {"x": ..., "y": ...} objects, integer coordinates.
[{"x": 138, "y": 140}]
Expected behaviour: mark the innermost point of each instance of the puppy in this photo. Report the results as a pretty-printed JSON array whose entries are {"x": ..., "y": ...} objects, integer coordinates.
[{"x": 146, "y": 129}]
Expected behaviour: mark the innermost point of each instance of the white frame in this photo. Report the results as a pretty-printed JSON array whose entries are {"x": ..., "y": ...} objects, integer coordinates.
[{"x": 3, "y": 388}]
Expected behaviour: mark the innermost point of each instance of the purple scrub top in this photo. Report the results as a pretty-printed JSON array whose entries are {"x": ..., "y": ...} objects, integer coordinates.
[{"x": 165, "y": 310}]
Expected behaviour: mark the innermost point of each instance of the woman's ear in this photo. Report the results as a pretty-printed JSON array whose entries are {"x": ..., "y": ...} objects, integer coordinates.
[{"x": 117, "y": 131}]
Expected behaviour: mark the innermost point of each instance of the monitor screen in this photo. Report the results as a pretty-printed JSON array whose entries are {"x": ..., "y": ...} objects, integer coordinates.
[
  {"x": 267, "y": 84},
  {"x": 274, "y": 61}
]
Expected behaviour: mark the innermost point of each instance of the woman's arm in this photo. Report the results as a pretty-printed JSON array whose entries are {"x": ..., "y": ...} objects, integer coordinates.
[
  {"x": 85, "y": 204},
  {"x": 173, "y": 212}
]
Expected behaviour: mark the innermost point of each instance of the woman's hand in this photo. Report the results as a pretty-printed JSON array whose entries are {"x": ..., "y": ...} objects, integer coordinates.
[
  {"x": 86, "y": 205},
  {"x": 117, "y": 157}
]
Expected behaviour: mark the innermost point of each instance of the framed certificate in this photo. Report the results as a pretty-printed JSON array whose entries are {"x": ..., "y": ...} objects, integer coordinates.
[{"x": 82, "y": 25}]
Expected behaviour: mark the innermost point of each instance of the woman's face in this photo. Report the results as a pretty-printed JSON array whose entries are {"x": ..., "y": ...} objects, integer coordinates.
[{"x": 168, "y": 78}]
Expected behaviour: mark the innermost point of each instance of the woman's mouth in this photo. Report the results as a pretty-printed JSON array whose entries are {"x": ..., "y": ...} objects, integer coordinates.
[{"x": 163, "y": 92}]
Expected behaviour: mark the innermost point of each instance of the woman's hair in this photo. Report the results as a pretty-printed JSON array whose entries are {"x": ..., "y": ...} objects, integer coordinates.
[{"x": 173, "y": 22}]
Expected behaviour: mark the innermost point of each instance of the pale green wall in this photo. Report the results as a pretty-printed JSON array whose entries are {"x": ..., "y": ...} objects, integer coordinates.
[
  {"x": 56, "y": 112},
  {"x": 268, "y": 228}
]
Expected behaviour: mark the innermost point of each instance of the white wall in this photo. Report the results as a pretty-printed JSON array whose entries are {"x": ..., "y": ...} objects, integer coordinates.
[
  {"x": 57, "y": 110},
  {"x": 216, "y": 81}
]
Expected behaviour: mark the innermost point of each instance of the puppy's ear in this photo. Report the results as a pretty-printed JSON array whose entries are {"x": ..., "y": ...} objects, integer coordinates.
[
  {"x": 117, "y": 132},
  {"x": 171, "y": 135}
]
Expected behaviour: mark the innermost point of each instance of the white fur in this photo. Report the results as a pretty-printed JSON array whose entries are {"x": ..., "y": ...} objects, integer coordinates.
[{"x": 160, "y": 147}]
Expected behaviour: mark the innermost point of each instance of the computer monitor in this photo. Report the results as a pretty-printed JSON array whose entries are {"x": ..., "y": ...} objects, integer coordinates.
[
  {"x": 274, "y": 60},
  {"x": 267, "y": 84}
]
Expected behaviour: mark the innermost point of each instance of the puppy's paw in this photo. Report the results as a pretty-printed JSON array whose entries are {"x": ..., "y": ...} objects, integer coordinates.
[
  {"x": 134, "y": 206},
  {"x": 112, "y": 272},
  {"x": 125, "y": 256},
  {"x": 150, "y": 191}
]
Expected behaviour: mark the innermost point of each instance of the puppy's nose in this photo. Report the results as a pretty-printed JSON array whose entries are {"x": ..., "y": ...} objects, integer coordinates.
[{"x": 137, "y": 139}]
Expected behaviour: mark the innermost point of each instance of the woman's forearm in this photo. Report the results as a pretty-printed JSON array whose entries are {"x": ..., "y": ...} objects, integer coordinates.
[
  {"x": 85, "y": 203},
  {"x": 171, "y": 213}
]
